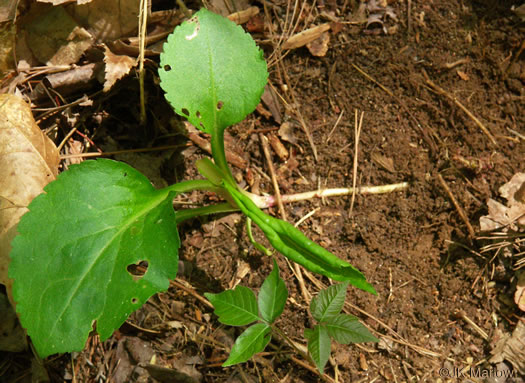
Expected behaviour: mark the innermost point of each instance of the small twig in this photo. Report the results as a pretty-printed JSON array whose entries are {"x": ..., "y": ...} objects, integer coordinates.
[
  {"x": 298, "y": 111},
  {"x": 66, "y": 138},
  {"x": 461, "y": 314},
  {"x": 312, "y": 369},
  {"x": 460, "y": 210},
  {"x": 182, "y": 285},
  {"x": 267, "y": 155},
  {"x": 357, "y": 128},
  {"x": 264, "y": 202},
  {"x": 437, "y": 89},
  {"x": 335, "y": 126},
  {"x": 296, "y": 267},
  {"x": 143, "y": 22},
  {"x": 454, "y": 64},
  {"x": 117, "y": 152},
  {"x": 298, "y": 223}
]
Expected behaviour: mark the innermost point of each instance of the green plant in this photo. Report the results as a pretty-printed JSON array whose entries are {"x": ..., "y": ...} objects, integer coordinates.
[
  {"x": 240, "y": 307},
  {"x": 72, "y": 257}
]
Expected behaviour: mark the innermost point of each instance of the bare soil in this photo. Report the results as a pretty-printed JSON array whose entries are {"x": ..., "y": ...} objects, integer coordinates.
[{"x": 413, "y": 245}]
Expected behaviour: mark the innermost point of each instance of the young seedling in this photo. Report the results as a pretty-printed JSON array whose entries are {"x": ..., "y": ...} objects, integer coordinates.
[
  {"x": 343, "y": 328},
  {"x": 74, "y": 247},
  {"x": 240, "y": 307}
]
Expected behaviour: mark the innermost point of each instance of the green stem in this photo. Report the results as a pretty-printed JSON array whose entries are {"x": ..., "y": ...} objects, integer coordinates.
[
  {"x": 185, "y": 214},
  {"x": 219, "y": 155},
  {"x": 186, "y": 186}
]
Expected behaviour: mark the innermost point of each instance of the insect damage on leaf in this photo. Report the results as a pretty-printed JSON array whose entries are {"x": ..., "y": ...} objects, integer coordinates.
[
  {"x": 231, "y": 72},
  {"x": 196, "y": 30}
]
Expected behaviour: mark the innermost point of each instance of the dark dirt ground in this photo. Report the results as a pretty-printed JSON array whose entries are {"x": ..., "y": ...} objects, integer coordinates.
[{"x": 412, "y": 245}]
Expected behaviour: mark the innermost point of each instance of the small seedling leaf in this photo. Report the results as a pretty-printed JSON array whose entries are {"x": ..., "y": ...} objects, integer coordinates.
[
  {"x": 253, "y": 340},
  {"x": 318, "y": 345},
  {"x": 235, "y": 307},
  {"x": 329, "y": 302},
  {"x": 212, "y": 71},
  {"x": 272, "y": 296},
  {"x": 70, "y": 260},
  {"x": 347, "y": 329}
]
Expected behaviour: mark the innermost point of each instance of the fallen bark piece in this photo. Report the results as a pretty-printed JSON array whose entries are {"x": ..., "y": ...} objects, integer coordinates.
[{"x": 306, "y": 36}]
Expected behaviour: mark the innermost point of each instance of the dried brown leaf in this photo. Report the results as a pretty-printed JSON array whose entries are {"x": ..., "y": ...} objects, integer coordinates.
[
  {"x": 55, "y": 38},
  {"x": 511, "y": 348},
  {"x": 319, "y": 46},
  {"x": 511, "y": 215},
  {"x": 519, "y": 296},
  {"x": 108, "y": 19},
  {"x": 29, "y": 162},
  {"x": 117, "y": 66}
]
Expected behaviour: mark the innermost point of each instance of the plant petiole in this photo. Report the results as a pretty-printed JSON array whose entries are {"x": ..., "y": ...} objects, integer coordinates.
[{"x": 185, "y": 214}]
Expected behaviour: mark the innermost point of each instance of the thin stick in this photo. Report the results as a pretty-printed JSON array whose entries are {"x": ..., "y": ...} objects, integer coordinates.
[
  {"x": 296, "y": 267},
  {"x": 357, "y": 128},
  {"x": 298, "y": 111},
  {"x": 107, "y": 154},
  {"x": 180, "y": 284},
  {"x": 335, "y": 126},
  {"x": 461, "y": 212},
  {"x": 266, "y": 150},
  {"x": 437, "y": 89},
  {"x": 67, "y": 137},
  {"x": 143, "y": 22},
  {"x": 461, "y": 314},
  {"x": 264, "y": 202}
]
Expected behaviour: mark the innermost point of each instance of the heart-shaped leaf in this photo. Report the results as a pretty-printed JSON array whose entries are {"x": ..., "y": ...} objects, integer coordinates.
[
  {"x": 212, "y": 71},
  {"x": 73, "y": 259}
]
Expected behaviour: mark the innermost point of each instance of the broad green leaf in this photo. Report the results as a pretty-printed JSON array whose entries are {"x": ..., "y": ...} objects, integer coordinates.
[
  {"x": 318, "y": 345},
  {"x": 212, "y": 71},
  {"x": 329, "y": 302},
  {"x": 347, "y": 329},
  {"x": 235, "y": 307},
  {"x": 294, "y": 245},
  {"x": 272, "y": 296},
  {"x": 70, "y": 260},
  {"x": 253, "y": 340}
]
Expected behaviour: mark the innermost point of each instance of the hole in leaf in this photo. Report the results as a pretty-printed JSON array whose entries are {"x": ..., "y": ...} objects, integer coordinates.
[
  {"x": 185, "y": 111},
  {"x": 167, "y": 68},
  {"x": 137, "y": 270},
  {"x": 202, "y": 126},
  {"x": 125, "y": 174},
  {"x": 134, "y": 301},
  {"x": 198, "y": 114},
  {"x": 220, "y": 104}
]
